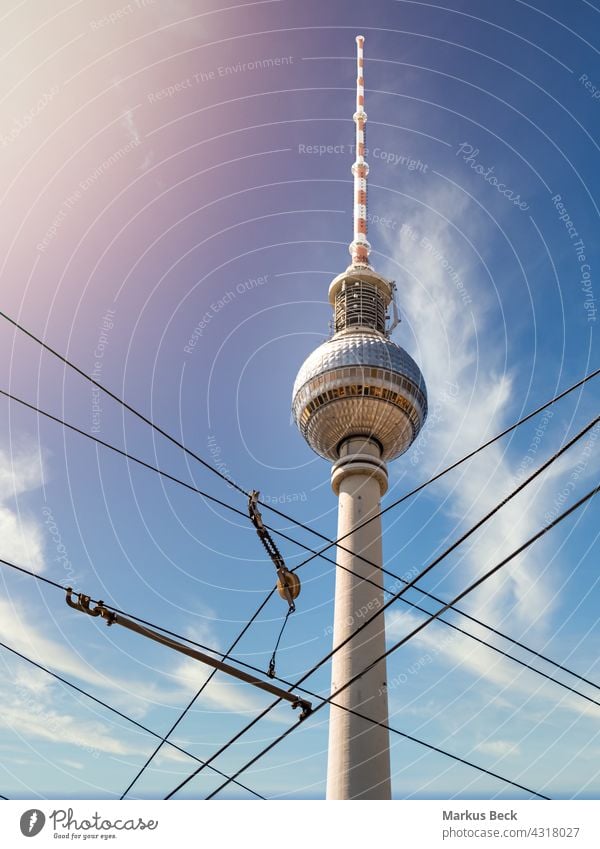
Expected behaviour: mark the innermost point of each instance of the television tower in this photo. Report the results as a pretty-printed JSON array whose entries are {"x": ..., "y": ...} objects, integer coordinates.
[{"x": 359, "y": 400}]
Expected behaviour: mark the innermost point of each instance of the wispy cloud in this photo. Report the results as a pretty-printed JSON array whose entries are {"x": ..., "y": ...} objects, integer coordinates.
[
  {"x": 471, "y": 397},
  {"x": 21, "y": 539},
  {"x": 498, "y": 748}
]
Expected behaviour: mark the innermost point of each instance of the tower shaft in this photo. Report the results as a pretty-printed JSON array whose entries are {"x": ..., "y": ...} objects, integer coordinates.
[{"x": 359, "y": 761}]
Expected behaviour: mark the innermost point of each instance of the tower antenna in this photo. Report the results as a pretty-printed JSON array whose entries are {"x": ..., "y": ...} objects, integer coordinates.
[
  {"x": 359, "y": 400},
  {"x": 360, "y": 248}
]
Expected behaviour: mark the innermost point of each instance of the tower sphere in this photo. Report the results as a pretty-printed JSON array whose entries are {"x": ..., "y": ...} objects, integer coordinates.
[{"x": 359, "y": 383}]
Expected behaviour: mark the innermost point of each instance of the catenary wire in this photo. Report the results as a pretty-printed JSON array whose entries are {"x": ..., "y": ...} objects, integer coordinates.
[
  {"x": 432, "y": 616},
  {"x": 313, "y": 669},
  {"x": 314, "y": 553},
  {"x": 240, "y": 489},
  {"x": 394, "y": 648},
  {"x": 140, "y": 772},
  {"x": 117, "y": 712},
  {"x": 205, "y": 684},
  {"x": 209, "y": 466},
  {"x": 227, "y": 478},
  {"x": 303, "y": 689},
  {"x": 257, "y": 670},
  {"x": 164, "y": 739}
]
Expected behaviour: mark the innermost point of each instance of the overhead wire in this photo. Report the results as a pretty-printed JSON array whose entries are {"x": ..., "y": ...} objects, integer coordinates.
[
  {"x": 164, "y": 739},
  {"x": 123, "y": 403},
  {"x": 187, "y": 708},
  {"x": 239, "y": 488},
  {"x": 489, "y": 573},
  {"x": 314, "y": 553},
  {"x": 206, "y": 763},
  {"x": 361, "y": 627},
  {"x": 432, "y": 617},
  {"x": 256, "y": 669},
  {"x": 528, "y": 666}
]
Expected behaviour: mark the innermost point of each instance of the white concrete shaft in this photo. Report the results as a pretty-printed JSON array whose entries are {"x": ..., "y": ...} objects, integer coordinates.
[{"x": 359, "y": 758}]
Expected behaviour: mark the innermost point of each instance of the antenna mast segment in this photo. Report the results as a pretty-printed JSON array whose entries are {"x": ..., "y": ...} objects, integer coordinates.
[{"x": 360, "y": 248}]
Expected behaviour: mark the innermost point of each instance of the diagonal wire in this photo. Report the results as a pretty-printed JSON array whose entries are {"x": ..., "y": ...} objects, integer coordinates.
[
  {"x": 188, "y": 707},
  {"x": 117, "y": 712},
  {"x": 122, "y": 402},
  {"x": 206, "y": 763},
  {"x": 320, "y": 553},
  {"x": 240, "y": 489},
  {"x": 257, "y": 670},
  {"x": 313, "y": 669},
  {"x": 228, "y": 479},
  {"x": 389, "y": 651},
  {"x": 162, "y": 739},
  {"x": 433, "y": 616}
]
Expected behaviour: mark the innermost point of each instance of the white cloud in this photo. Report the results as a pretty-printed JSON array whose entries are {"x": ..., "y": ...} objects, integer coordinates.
[
  {"x": 21, "y": 539},
  {"x": 471, "y": 399},
  {"x": 130, "y": 126},
  {"x": 498, "y": 748},
  {"x": 39, "y": 718},
  {"x": 19, "y": 473},
  {"x": 30, "y": 701}
]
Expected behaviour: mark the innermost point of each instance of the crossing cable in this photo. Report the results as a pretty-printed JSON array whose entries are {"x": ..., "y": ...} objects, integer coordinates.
[
  {"x": 394, "y": 730},
  {"x": 270, "y": 507},
  {"x": 117, "y": 712},
  {"x": 394, "y": 648},
  {"x": 321, "y": 554},
  {"x": 206, "y": 683},
  {"x": 314, "y": 668},
  {"x": 236, "y": 486},
  {"x": 187, "y": 708},
  {"x": 303, "y": 689},
  {"x": 284, "y": 681},
  {"x": 240, "y": 489},
  {"x": 6, "y": 799},
  {"x": 83, "y": 604},
  {"x": 412, "y": 584}
]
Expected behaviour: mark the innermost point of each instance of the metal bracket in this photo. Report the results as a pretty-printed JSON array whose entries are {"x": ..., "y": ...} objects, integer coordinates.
[
  {"x": 306, "y": 708},
  {"x": 395, "y": 312},
  {"x": 83, "y": 604}
]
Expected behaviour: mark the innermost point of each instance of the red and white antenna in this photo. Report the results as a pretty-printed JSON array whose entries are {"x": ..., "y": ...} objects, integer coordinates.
[{"x": 360, "y": 248}]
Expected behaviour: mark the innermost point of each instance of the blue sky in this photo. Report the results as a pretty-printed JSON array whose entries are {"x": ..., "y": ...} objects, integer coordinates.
[{"x": 170, "y": 227}]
